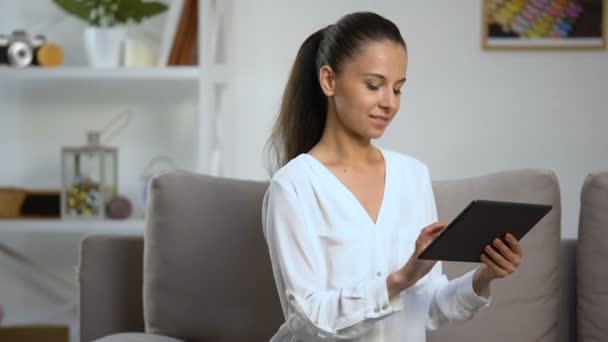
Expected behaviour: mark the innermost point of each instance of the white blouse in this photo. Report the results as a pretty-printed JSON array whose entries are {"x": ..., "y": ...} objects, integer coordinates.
[{"x": 331, "y": 261}]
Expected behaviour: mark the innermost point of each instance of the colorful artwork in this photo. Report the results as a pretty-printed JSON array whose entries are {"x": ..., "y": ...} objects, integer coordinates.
[{"x": 544, "y": 24}]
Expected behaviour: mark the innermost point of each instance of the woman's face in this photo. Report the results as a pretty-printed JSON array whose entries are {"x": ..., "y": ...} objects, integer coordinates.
[{"x": 367, "y": 91}]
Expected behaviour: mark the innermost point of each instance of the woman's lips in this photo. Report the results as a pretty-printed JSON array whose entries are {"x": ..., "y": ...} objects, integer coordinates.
[{"x": 379, "y": 121}]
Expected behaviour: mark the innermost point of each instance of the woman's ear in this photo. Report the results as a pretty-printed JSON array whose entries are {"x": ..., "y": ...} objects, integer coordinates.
[{"x": 327, "y": 80}]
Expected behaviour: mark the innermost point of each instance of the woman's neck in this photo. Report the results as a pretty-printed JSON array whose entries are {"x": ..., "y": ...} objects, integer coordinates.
[{"x": 338, "y": 145}]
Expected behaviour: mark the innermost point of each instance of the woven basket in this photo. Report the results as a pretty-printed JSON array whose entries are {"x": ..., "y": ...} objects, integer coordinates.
[{"x": 11, "y": 200}]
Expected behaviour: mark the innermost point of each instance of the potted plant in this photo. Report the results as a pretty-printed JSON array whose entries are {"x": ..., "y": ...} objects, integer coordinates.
[{"x": 107, "y": 20}]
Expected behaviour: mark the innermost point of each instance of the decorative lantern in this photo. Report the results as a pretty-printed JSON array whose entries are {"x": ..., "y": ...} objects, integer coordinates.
[{"x": 89, "y": 178}]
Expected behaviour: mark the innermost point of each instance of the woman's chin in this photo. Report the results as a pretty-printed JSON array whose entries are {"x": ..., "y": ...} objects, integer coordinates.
[
  {"x": 375, "y": 133},
  {"x": 370, "y": 132}
]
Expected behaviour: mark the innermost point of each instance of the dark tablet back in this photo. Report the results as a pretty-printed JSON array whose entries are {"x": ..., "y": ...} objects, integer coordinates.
[{"x": 478, "y": 224}]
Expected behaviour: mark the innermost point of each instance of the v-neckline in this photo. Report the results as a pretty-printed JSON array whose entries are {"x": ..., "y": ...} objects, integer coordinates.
[{"x": 352, "y": 195}]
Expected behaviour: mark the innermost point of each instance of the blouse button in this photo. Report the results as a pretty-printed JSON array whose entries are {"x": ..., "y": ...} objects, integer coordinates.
[
  {"x": 384, "y": 307},
  {"x": 291, "y": 297},
  {"x": 376, "y": 310},
  {"x": 379, "y": 273}
]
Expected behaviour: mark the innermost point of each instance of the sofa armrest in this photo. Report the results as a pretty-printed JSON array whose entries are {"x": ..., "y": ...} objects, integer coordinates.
[{"x": 110, "y": 278}]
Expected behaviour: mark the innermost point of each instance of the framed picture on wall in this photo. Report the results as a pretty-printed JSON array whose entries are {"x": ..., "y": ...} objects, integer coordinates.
[{"x": 544, "y": 24}]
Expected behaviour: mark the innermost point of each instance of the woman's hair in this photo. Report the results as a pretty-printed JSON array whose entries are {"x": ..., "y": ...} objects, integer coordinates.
[{"x": 303, "y": 111}]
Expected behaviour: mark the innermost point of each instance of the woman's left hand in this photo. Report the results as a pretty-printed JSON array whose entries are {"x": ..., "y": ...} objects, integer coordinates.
[{"x": 499, "y": 261}]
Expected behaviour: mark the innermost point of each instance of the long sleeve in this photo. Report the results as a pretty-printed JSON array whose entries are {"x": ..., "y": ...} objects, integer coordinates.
[
  {"x": 449, "y": 300},
  {"x": 314, "y": 312}
]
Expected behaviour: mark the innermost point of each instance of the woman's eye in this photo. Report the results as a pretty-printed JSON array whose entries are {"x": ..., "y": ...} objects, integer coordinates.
[
  {"x": 372, "y": 87},
  {"x": 397, "y": 91}
]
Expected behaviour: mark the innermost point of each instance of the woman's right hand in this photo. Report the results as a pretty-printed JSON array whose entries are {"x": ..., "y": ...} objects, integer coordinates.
[{"x": 416, "y": 268}]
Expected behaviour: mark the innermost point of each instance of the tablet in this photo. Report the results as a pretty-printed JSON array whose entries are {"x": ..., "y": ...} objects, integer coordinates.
[{"x": 479, "y": 224}]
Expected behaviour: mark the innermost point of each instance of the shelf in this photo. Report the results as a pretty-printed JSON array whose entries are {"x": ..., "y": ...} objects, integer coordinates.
[
  {"x": 86, "y": 73},
  {"x": 130, "y": 226}
]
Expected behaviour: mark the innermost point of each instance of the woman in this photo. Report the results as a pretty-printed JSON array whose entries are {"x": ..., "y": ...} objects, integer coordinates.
[{"x": 345, "y": 220}]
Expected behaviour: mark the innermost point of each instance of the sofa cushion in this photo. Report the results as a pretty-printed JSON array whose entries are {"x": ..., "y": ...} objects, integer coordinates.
[
  {"x": 525, "y": 306},
  {"x": 136, "y": 337},
  {"x": 207, "y": 272},
  {"x": 591, "y": 259}
]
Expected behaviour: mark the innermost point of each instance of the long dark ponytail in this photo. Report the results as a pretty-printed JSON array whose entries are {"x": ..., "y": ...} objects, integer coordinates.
[{"x": 303, "y": 111}]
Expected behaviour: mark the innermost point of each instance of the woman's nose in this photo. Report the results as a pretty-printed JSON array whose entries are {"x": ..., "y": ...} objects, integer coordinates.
[{"x": 388, "y": 101}]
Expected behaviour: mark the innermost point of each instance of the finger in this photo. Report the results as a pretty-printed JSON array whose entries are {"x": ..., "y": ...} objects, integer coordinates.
[
  {"x": 492, "y": 265},
  {"x": 499, "y": 259},
  {"x": 434, "y": 228},
  {"x": 428, "y": 234},
  {"x": 506, "y": 252},
  {"x": 514, "y": 244},
  {"x": 437, "y": 231}
]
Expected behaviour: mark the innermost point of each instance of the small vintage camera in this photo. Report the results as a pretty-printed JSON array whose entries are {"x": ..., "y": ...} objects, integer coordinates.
[{"x": 19, "y": 49}]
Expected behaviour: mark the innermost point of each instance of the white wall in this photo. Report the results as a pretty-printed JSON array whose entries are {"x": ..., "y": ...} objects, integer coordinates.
[{"x": 465, "y": 111}]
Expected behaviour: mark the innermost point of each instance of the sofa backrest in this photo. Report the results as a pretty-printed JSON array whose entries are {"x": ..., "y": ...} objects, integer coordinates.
[
  {"x": 207, "y": 272},
  {"x": 526, "y": 305},
  {"x": 206, "y": 264},
  {"x": 591, "y": 260}
]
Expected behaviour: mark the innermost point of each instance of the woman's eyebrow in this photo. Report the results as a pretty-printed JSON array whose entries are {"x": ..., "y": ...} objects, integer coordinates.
[{"x": 382, "y": 76}]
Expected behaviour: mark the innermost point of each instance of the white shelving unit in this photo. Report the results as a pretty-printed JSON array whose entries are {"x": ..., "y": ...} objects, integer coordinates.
[
  {"x": 195, "y": 92},
  {"x": 89, "y": 74},
  {"x": 173, "y": 73},
  {"x": 178, "y": 113}
]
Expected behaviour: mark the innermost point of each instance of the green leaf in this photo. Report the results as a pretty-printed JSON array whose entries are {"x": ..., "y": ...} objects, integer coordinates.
[
  {"x": 76, "y": 8},
  {"x": 111, "y": 12},
  {"x": 138, "y": 10},
  {"x": 150, "y": 9}
]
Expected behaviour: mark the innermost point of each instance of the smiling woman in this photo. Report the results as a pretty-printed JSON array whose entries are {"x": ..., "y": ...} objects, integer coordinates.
[
  {"x": 368, "y": 63},
  {"x": 345, "y": 220}
]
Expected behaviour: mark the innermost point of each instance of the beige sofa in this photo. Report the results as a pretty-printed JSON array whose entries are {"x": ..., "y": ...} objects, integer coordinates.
[
  {"x": 591, "y": 260},
  {"x": 204, "y": 273}
]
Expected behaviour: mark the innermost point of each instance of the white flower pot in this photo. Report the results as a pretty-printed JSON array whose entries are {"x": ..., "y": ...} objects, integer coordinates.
[{"x": 104, "y": 46}]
